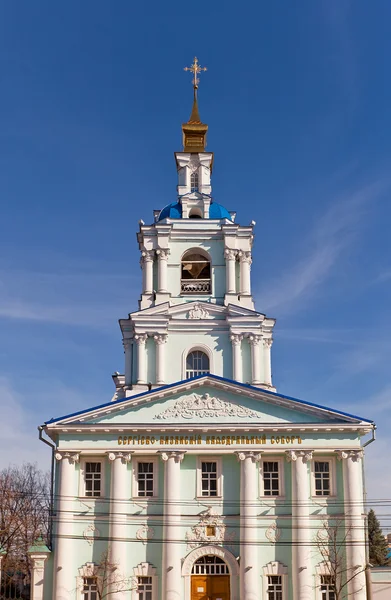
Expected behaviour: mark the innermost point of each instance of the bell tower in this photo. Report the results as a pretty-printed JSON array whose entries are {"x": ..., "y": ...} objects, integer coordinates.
[{"x": 196, "y": 296}]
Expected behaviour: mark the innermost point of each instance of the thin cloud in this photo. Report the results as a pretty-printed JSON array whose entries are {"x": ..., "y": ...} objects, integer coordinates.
[{"x": 332, "y": 235}]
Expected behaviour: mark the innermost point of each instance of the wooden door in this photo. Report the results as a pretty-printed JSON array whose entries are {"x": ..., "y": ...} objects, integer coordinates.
[{"x": 210, "y": 587}]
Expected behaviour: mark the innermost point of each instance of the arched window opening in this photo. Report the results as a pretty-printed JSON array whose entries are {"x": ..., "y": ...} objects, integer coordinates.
[
  {"x": 195, "y": 213},
  {"x": 194, "y": 182},
  {"x": 195, "y": 274},
  {"x": 197, "y": 363},
  {"x": 210, "y": 565}
]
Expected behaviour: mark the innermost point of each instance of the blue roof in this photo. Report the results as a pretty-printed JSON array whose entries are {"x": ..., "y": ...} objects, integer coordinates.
[
  {"x": 174, "y": 211},
  {"x": 217, "y": 378}
]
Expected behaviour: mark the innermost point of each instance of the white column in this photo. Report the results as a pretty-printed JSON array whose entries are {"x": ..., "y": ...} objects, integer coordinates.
[
  {"x": 160, "y": 341},
  {"x": 173, "y": 550},
  {"x": 230, "y": 261},
  {"x": 128, "y": 361},
  {"x": 302, "y": 577},
  {"x": 250, "y": 582},
  {"x": 141, "y": 339},
  {"x": 162, "y": 269},
  {"x": 118, "y": 509},
  {"x": 354, "y": 521},
  {"x": 245, "y": 266},
  {"x": 256, "y": 365},
  {"x": 38, "y": 560},
  {"x": 267, "y": 364},
  {"x": 64, "y": 574},
  {"x": 237, "y": 366},
  {"x": 147, "y": 267}
]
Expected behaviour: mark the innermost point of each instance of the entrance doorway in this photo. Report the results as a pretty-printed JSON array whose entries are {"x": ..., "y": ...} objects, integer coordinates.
[{"x": 210, "y": 579}]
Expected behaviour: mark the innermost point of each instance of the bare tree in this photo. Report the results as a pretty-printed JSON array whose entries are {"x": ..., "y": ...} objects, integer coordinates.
[
  {"x": 331, "y": 543},
  {"x": 105, "y": 578},
  {"x": 24, "y": 515}
]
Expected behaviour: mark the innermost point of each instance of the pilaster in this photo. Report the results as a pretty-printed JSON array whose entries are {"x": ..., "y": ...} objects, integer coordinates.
[
  {"x": 141, "y": 339},
  {"x": 237, "y": 360},
  {"x": 160, "y": 341},
  {"x": 256, "y": 364}
]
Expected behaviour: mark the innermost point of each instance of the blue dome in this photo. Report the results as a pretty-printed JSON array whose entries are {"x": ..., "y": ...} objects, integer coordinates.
[{"x": 174, "y": 211}]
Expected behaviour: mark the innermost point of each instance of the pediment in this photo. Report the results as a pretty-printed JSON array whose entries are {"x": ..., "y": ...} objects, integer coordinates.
[
  {"x": 209, "y": 401},
  {"x": 196, "y": 310}
]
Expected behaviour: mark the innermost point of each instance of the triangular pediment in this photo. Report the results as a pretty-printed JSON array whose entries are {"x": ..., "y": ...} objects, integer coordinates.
[
  {"x": 195, "y": 310},
  {"x": 211, "y": 401}
]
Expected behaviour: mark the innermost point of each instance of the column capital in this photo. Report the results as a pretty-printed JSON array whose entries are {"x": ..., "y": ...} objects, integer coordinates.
[
  {"x": 293, "y": 455},
  {"x": 141, "y": 338},
  {"x": 254, "y": 339},
  {"x": 245, "y": 257},
  {"x": 175, "y": 454},
  {"x": 267, "y": 342},
  {"x": 354, "y": 455},
  {"x": 255, "y": 456},
  {"x": 236, "y": 338},
  {"x": 147, "y": 255},
  {"x": 230, "y": 254},
  {"x": 160, "y": 338},
  {"x": 125, "y": 457},
  {"x": 162, "y": 254},
  {"x": 72, "y": 457}
]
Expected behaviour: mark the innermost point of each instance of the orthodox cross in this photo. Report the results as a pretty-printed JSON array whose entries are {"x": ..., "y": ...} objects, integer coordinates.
[{"x": 195, "y": 69}]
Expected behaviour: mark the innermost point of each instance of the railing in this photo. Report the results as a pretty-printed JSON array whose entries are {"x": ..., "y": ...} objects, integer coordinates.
[
  {"x": 195, "y": 372},
  {"x": 195, "y": 286}
]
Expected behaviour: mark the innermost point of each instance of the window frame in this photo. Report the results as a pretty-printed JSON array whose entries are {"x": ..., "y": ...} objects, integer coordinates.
[
  {"x": 281, "y": 477},
  {"x": 95, "y": 578},
  {"x": 333, "y": 485},
  {"x": 219, "y": 477},
  {"x": 275, "y": 569},
  {"x": 145, "y": 569},
  {"x": 201, "y": 348},
  {"x": 147, "y": 458},
  {"x": 82, "y": 479}
]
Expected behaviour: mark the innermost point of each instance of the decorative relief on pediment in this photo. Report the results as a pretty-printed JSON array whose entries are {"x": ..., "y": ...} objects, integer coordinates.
[
  {"x": 209, "y": 529},
  {"x": 205, "y": 407},
  {"x": 198, "y": 312}
]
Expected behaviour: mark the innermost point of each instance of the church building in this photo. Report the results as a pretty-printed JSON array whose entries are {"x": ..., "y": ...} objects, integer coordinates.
[{"x": 199, "y": 480}]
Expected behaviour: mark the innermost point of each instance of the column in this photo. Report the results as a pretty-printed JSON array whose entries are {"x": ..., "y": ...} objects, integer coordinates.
[
  {"x": 302, "y": 578},
  {"x": 162, "y": 269},
  {"x": 354, "y": 521},
  {"x": 250, "y": 581},
  {"x": 160, "y": 342},
  {"x": 128, "y": 361},
  {"x": 256, "y": 370},
  {"x": 38, "y": 560},
  {"x": 267, "y": 364},
  {"x": 119, "y": 492},
  {"x": 64, "y": 572},
  {"x": 141, "y": 339},
  {"x": 147, "y": 267},
  {"x": 237, "y": 366},
  {"x": 172, "y": 548},
  {"x": 245, "y": 266},
  {"x": 230, "y": 261}
]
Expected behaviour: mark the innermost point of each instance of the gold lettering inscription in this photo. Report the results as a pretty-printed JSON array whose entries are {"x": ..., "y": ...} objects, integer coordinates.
[{"x": 198, "y": 440}]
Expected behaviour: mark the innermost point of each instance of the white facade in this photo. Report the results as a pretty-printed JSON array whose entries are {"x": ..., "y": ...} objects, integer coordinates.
[{"x": 198, "y": 480}]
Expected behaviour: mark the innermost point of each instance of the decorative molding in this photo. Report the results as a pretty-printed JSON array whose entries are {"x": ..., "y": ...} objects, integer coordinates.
[
  {"x": 144, "y": 569},
  {"x": 255, "y": 456},
  {"x": 293, "y": 455},
  {"x": 193, "y": 164},
  {"x": 273, "y": 533},
  {"x": 125, "y": 457},
  {"x": 354, "y": 455},
  {"x": 222, "y": 553},
  {"x": 198, "y": 312},
  {"x": 198, "y": 533},
  {"x": 91, "y": 533},
  {"x": 205, "y": 407},
  {"x": 145, "y": 533},
  {"x": 275, "y": 567}
]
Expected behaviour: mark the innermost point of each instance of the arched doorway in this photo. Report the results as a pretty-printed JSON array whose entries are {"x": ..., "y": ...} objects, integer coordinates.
[
  {"x": 210, "y": 579},
  {"x": 227, "y": 564}
]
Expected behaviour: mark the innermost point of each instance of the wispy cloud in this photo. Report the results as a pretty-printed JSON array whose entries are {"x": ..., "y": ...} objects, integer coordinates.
[{"x": 333, "y": 234}]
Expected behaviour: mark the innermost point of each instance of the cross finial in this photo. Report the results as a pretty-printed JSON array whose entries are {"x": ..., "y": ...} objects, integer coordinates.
[{"x": 195, "y": 69}]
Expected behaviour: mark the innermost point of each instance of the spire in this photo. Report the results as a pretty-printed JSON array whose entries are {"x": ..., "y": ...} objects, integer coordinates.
[{"x": 194, "y": 131}]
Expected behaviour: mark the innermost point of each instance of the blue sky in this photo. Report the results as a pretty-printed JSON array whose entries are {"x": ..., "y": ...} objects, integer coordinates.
[{"x": 297, "y": 97}]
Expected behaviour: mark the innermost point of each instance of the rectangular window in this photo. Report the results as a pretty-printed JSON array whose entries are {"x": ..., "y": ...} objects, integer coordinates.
[
  {"x": 271, "y": 478},
  {"x": 90, "y": 588},
  {"x": 322, "y": 478},
  {"x": 145, "y": 478},
  {"x": 209, "y": 478},
  {"x": 144, "y": 588},
  {"x": 274, "y": 587},
  {"x": 93, "y": 479},
  {"x": 327, "y": 587}
]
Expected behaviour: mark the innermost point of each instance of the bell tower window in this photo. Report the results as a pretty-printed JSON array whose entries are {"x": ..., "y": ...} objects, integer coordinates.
[
  {"x": 195, "y": 273},
  {"x": 194, "y": 182},
  {"x": 197, "y": 363}
]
